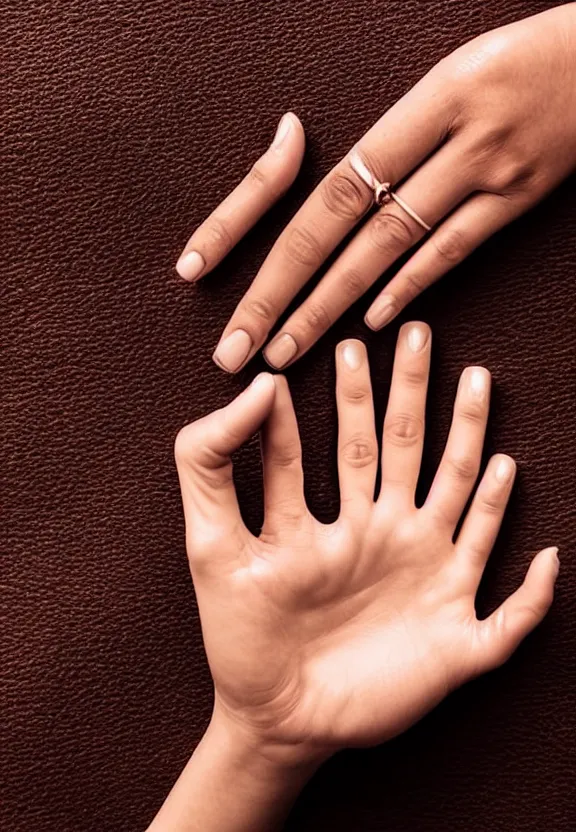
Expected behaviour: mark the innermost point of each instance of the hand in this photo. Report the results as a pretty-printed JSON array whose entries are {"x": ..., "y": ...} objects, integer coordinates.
[
  {"x": 325, "y": 636},
  {"x": 480, "y": 139}
]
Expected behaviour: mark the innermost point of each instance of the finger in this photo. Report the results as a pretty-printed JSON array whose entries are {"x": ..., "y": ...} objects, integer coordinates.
[
  {"x": 483, "y": 521},
  {"x": 202, "y": 452},
  {"x": 403, "y": 436},
  {"x": 396, "y": 144},
  {"x": 469, "y": 226},
  {"x": 282, "y": 462},
  {"x": 265, "y": 183},
  {"x": 432, "y": 191},
  {"x": 460, "y": 462},
  {"x": 501, "y": 633},
  {"x": 357, "y": 444}
]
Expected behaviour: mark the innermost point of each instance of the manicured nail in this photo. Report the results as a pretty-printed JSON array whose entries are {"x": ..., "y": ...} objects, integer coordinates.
[
  {"x": 381, "y": 312},
  {"x": 478, "y": 382},
  {"x": 280, "y": 351},
  {"x": 284, "y": 128},
  {"x": 417, "y": 337},
  {"x": 233, "y": 351},
  {"x": 504, "y": 470},
  {"x": 554, "y": 554},
  {"x": 352, "y": 354},
  {"x": 190, "y": 265}
]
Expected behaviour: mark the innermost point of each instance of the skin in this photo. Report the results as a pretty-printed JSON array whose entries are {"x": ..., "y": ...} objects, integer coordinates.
[
  {"x": 485, "y": 135},
  {"x": 321, "y": 637}
]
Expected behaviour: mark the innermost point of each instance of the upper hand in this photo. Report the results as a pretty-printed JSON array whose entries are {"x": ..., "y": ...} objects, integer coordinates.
[
  {"x": 322, "y": 636},
  {"x": 481, "y": 138}
]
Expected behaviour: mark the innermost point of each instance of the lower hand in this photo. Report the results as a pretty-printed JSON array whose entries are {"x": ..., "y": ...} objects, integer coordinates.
[{"x": 325, "y": 636}]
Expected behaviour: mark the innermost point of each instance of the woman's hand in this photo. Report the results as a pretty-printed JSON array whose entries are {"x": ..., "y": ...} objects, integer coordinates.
[
  {"x": 479, "y": 140},
  {"x": 325, "y": 636}
]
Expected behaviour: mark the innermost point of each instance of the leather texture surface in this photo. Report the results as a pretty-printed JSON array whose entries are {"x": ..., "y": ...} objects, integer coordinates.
[{"x": 123, "y": 124}]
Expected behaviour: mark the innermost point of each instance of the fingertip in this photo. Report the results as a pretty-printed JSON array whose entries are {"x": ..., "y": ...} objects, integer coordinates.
[
  {"x": 191, "y": 266},
  {"x": 503, "y": 467},
  {"x": 551, "y": 554},
  {"x": 264, "y": 384},
  {"x": 417, "y": 335},
  {"x": 352, "y": 352},
  {"x": 384, "y": 309},
  {"x": 289, "y": 134}
]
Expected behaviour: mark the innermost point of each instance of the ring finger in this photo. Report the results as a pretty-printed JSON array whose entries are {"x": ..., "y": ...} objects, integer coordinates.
[{"x": 432, "y": 191}]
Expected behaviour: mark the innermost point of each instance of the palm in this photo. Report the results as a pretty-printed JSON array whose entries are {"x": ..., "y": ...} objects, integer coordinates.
[{"x": 369, "y": 651}]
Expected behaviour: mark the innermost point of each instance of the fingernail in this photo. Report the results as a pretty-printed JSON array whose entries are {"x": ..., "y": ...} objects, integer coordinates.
[
  {"x": 554, "y": 553},
  {"x": 504, "y": 470},
  {"x": 233, "y": 351},
  {"x": 381, "y": 312},
  {"x": 417, "y": 337},
  {"x": 190, "y": 265},
  {"x": 478, "y": 382},
  {"x": 352, "y": 354},
  {"x": 281, "y": 350},
  {"x": 284, "y": 128}
]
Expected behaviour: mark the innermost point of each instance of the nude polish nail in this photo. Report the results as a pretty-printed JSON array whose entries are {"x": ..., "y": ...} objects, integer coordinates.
[
  {"x": 280, "y": 351},
  {"x": 352, "y": 355},
  {"x": 190, "y": 265},
  {"x": 504, "y": 470},
  {"x": 284, "y": 127},
  {"x": 478, "y": 382},
  {"x": 417, "y": 337},
  {"x": 232, "y": 352},
  {"x": 381, "y": 312}
]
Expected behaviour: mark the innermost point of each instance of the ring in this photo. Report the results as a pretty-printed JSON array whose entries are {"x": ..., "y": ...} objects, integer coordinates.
[{"x": 383, "y": 192}]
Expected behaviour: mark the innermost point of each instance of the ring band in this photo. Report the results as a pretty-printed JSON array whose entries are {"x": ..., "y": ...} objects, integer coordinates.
[{"x": 383, "y": 192}]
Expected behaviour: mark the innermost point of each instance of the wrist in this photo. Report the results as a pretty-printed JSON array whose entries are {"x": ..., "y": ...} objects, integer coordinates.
[{"x": 259, "y": 754}]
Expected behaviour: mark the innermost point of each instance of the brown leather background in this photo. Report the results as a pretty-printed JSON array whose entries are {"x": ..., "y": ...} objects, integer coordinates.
[{"x": 123, "y": 124}]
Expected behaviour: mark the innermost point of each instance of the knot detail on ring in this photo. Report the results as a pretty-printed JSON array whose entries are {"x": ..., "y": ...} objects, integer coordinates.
[{"x": 382, "y": 191}]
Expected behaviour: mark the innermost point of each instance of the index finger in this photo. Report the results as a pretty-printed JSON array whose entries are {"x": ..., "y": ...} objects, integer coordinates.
[{"x": 394, "y": 146}]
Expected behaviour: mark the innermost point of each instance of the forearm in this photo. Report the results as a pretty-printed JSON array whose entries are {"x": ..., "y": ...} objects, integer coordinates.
[{"x": 229, "y": 785}]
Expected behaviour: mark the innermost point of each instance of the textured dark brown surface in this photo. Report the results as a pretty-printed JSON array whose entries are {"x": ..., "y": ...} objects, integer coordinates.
[{"x": 123, "y": 125}]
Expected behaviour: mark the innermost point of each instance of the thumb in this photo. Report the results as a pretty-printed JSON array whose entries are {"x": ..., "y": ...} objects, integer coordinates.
[
  {"x": 202, "y": 452},
  {"x": 502, "y": 632}
]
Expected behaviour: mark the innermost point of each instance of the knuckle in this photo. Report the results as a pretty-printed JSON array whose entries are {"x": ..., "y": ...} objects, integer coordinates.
[
  {"x": 359, "y": 451},
  {"x": 513, "y": 174},
  {"x": 355, "y": 393},
  {"x": 286, "y": 456},
  {"x": 353, "y": 283},
  {"x": 315, "y": 316},
  {"x": 403, "y": 429},
  {"x": 303, "y": 248},
  {"x": 258, "y": 175},
  {"x": 261, "y": 308},
  {"x": 462, "y": 467},
  {"x": 187, "y": 443},
  {"x": 391, "y": 233},
  {"x": 491, "y": 503},
  {"x": 451, "y": 245},
  {"x": 473, "y": 414},
  {"x": 415, "y": 376},
  {"x": 413, "y": 285},
  {"x": 218, "y": 234},
  {"x": 343, "y": 196}
]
